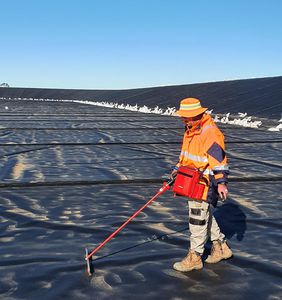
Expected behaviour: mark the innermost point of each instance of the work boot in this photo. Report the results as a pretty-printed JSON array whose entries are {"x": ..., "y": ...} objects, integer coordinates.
[
  {"x": 192, "y": 261},
  {"x": 226, "y": 251},
  {"x": 220, "y": 250}
]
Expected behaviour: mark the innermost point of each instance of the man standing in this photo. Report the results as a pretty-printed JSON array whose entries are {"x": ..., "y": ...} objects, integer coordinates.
[{"x": 203, "y": 149}]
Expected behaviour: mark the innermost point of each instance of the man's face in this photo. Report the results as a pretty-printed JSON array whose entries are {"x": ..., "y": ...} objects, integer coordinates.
[{"x": 192, "y": 122}]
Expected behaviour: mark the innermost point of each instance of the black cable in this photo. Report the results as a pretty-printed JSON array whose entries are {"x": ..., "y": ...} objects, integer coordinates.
[{"x": 143, "y": 243}]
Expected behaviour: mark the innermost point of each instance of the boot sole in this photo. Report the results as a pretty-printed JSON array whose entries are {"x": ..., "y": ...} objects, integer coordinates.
[
  {"x": 216, "y": 261},
  {"x": 190, "y": 269}
]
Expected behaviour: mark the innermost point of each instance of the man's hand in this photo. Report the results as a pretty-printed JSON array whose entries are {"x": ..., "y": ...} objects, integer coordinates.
[
  {"x": 222, "y": 191},
  {"x": 173, "y": 174}
]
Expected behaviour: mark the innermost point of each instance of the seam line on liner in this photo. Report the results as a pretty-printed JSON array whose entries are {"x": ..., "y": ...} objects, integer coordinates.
[{"x": 128, "y": 181}]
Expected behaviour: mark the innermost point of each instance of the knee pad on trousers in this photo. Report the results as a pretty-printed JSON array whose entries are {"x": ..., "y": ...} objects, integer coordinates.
[{"x": 197, "y": 222}]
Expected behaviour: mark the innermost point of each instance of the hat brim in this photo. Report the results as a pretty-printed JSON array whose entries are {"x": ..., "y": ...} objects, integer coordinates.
[{"x": 190, "y": 113}]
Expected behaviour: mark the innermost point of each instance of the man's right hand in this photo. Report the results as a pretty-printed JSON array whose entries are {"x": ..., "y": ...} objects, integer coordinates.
[
  {"x": 222, "y": 191},
  {"x": 173, "y": 174}
]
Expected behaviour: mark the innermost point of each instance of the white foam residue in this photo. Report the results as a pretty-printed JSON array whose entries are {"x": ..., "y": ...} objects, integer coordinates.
[
  {"x": 243, "y": 120},
  {"x": 277, "y": 128},
  {"x": 143, "y": 109},
  {"x": 246, "y": 121}
]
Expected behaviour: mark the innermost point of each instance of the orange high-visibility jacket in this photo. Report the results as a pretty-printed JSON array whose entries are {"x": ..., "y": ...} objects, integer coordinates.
[{"x": 204, "y": 149}]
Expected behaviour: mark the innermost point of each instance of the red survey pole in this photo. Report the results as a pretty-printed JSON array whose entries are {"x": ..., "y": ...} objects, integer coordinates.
[{"x": 165, "y": 187}]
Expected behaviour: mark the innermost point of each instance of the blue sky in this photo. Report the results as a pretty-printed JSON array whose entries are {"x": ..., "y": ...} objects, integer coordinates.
[{"x": 120, "y": 44}]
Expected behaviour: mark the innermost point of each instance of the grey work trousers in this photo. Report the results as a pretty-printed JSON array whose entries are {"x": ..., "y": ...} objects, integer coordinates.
[{"x": 202, "y": 225}]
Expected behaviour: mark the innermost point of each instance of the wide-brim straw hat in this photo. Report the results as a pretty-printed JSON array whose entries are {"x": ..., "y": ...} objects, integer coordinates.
[{"x": 190, "y": 107}]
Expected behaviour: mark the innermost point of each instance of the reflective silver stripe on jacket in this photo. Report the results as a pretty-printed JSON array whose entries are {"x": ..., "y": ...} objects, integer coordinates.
[
  {"x": 193, "y": 157},
  {"x": 221, "y": 168},
  {"x": 208, "y": 127},
  {"x": 208, "y": 172}
]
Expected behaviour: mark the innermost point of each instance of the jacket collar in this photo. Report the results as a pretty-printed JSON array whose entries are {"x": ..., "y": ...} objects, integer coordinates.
[{"x": 204, "y": 121}]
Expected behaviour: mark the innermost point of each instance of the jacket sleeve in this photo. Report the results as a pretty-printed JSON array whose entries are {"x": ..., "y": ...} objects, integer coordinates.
[{"x": 215, "y": 149}]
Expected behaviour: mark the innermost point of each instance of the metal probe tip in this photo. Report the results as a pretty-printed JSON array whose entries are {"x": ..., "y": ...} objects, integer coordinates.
[{"x": 89, "y": 262}]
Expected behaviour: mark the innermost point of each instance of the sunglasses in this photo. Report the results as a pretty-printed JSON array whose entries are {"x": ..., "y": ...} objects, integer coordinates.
[{"x": 196, "y": 118}]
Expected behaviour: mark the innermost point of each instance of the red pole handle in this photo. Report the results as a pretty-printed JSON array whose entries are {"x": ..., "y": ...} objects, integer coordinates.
[{"x": 165, "y": 187}]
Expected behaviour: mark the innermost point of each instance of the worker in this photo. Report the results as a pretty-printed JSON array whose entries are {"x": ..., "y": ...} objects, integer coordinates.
[{"x": 203, "y": 150}]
